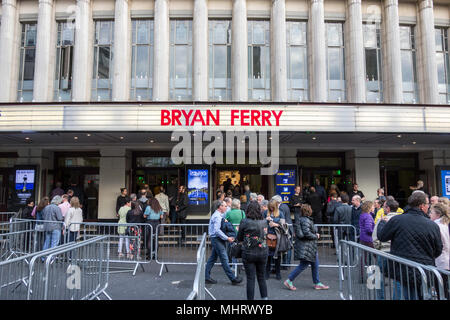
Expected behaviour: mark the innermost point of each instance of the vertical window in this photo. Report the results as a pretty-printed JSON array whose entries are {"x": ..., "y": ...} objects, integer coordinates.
[
  {"x": 103, "y": 60},
  {"x": 335, "y": 62},
  {"x": 220, "y": 59},
  {"x": 64, "y": 60},
  {"x": 408, "y": 55},
  {"x": 27, "y": 61},
  {"x": 142, "y": 60},
  {"x": 372, "y": 49},
  {"x": 442, "y": 60},
  {"x": 180, "y": 60},
  {"x": 259, "y": 60},
  {"x": 297, "y": 61}
]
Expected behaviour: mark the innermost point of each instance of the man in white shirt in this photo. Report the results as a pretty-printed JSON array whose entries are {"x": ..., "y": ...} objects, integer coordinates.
[
  {"x": 64, "y": 205},
  {"x": 163, "y": 200}
]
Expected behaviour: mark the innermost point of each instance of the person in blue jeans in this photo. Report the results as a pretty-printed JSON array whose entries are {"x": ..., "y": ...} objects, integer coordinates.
[
  {"x": 53, "y": 217},
  {"x": 218, "y": 244},
  {"x": 306, "y": 249}
]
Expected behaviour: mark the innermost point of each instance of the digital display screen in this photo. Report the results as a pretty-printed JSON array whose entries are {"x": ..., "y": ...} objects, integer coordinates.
[
  {"x": 285, "y": 184},
  {"x": 445, "y": 183},
  {"x": 24, "y": 180},
  {"x": 198, "y": 186}
]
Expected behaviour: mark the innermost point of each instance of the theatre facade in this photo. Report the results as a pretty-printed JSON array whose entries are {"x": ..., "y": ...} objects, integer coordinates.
[{"x": 111, "y": 94}]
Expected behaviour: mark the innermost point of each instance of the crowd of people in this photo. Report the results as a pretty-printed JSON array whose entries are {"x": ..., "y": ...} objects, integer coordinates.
[
  {"x": 58, "y": 218},
  {"x": 419, "y": 232}
]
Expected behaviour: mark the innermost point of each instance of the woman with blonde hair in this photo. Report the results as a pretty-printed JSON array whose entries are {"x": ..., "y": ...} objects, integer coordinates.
[
  {"x": 274, "y": 217},
  {"x": 440, "y": 213},
  {"x": 73, "y": 219}
]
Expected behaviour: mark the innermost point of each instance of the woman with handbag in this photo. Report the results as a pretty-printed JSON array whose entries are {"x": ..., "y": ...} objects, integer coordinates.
[
  {"x": 252, "y": 233},
  {"x": 306, "y": 249},
  {"x": 274, "y": 217}
]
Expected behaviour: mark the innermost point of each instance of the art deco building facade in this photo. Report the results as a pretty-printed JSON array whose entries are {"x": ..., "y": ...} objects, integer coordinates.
[{"x": 364, "y": 86}]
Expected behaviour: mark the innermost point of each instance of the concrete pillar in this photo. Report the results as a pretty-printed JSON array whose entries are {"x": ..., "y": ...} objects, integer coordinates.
[
  {"x": 278, "y": 50},
  {"x": 9, "y": 44},
  {"x": 356, "y": 82},
  {"x": 83, "y": 52},
  {"x": 367, "y": 172},
  {"x": 428, "y": 79},
  {"x": 239, "y": 51},
  {"x": 44, "y": 69},
  {"x": 392, "y": 82},
  {"x": 112, "y": 178},
  {"x": 161, "y": 51},
  {"x": 317, "y": 53},
  {"x": 122, "y": 51},
  {"x": 200, "y": 48}
]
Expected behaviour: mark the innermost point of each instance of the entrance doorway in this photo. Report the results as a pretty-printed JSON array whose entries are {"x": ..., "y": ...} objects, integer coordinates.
[
  {"x": 327, "y": 177},
  {"x": 240, "y": 176},
  {"x": 6, "y": 189},
  {"x": 399, "y": 171},
  {"x": 155, "y": 177},
  {"x": 328, "y": 167},
  {"x": 83, "y": 171}
]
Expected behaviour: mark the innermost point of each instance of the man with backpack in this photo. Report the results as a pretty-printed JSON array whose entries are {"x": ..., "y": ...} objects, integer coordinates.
[{"x": 218, "y": 244}]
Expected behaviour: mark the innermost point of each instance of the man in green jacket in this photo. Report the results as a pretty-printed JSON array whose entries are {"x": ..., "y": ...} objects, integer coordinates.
[{"x": 235, "y": 215}]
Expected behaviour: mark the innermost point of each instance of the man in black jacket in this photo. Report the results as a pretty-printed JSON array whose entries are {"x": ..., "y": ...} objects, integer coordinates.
[
  {"x": 413, "y": 236},
  {"x": 181, "y": 209},
  {"x": 295, "y": 204},
  {"x": 121, "y": 199},
  {"x": 343, "y": 215}
]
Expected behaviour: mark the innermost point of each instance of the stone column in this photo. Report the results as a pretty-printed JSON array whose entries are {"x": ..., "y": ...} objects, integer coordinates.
[
  {"x": 122, "y": 51},
  {"x": 200, "y": 48},
  {"x": 428, "y": 79},
  {"x": 356, "y": 82},
  {"x": 393, "y": 86},
  {"x": 367, "y": 172},
  {"x": 83, "y": 52},
  {"x": 317, "y": 53},
  {"x": 112, "y": 178},
  {"x": 45, "y": 53},
  {"x": 239, "y": 51},
  {"x": 278, "y": 51},
  {"x": 161, "y": 51},
  {"x": 9, "y": 33}
]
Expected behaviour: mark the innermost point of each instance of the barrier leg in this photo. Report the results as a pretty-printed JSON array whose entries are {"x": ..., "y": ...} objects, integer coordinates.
[
  {"x": 210, "y": 294},
  {"x": 161, "y": 270}
]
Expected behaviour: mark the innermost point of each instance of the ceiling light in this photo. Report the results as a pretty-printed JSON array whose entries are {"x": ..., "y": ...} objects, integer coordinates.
[
  {"x": 314, "y": 138},
  {"x": 399, "y": 136},
  {"x": 414, "y": 142},
  {"x": 27, "y": 138},
  {"x": 121, "y": 138},
  {"x": 88, "y": 134},
  {"x": 76, "y": 138},
  {"x": 151, "y": 141}
]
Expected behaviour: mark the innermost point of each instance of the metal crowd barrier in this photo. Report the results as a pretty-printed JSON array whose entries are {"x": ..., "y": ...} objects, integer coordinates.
[
  {"x": 136, "y": 244},
  {"x": 24, "y": 237},
  {"x": 77, "y": 272},
  {"x": 199, "y": 289},
  {"x": 6, "y": 216},
  {"x": 327, "y": 245},
  {"x": 28, "y": 277},
  {"x": 176, "y": 244},
  {"x": 370, "y": 274}
]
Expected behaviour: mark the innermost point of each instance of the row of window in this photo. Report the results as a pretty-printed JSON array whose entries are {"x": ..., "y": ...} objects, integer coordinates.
[{"x": 259, "y": 87}]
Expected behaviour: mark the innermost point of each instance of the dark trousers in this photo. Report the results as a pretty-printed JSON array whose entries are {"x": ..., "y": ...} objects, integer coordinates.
[
  {"x": 255, "y": 268},
  {"x": 277, "y": 263},
  {"x": 173, "y": 215},
  {"x": 73, "y": 236},
  {"x": 182, "y": 220},
  {"x": 150, "y": 235}
]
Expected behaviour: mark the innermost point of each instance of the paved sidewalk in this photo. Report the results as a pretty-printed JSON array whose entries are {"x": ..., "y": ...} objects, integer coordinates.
[{"x": 177, "y": 284}]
